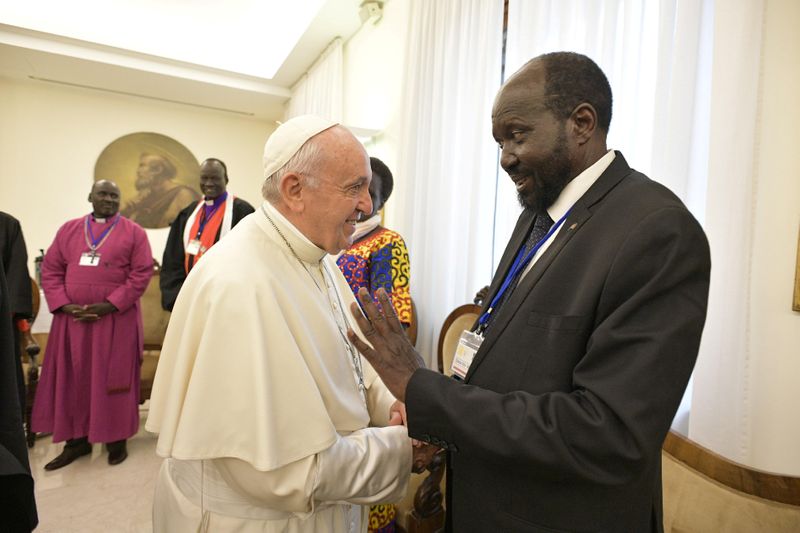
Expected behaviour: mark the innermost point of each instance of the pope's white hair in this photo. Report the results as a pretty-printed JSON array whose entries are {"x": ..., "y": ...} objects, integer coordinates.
[{"x": 304, "y": 162}]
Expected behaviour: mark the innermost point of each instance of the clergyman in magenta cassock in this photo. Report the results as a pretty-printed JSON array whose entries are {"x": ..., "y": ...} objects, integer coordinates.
[{"x": 93, "y": 276}]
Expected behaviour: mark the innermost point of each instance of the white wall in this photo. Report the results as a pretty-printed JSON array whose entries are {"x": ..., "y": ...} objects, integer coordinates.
[
  {"x": 51, "y": 136},
  {"x": 774, "y": 370}
]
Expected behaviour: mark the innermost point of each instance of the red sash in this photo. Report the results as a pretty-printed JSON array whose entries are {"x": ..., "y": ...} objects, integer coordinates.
[{"x": 209, "y": 235}]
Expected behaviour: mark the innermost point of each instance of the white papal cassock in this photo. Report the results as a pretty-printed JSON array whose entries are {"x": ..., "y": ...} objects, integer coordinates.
[{"x": 256, "y": 398}]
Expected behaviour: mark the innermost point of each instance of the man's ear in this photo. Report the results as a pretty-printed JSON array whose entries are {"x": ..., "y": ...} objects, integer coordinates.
[
  {"x": 291, "y": 189},
  {"x": 89, "y": 197},
  {"x": 583, "y": 122}
]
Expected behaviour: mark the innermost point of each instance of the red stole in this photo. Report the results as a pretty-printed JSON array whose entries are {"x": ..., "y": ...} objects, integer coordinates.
[{"x": 207, "y": 237}]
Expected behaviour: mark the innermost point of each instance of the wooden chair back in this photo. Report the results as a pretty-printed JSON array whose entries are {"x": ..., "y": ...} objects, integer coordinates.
[
  {"x": 461, "y": 318},
  {"x": 154, "y": 320}
]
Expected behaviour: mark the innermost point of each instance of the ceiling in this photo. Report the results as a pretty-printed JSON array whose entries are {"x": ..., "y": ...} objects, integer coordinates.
[{"x": 48, "y": 58}]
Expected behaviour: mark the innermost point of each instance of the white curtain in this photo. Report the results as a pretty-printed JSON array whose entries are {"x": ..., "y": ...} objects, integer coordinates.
[
  {"x": 320, "y": 90},
  {"x": 724, "y": 401},
  {"x": 447, "y": 157}
]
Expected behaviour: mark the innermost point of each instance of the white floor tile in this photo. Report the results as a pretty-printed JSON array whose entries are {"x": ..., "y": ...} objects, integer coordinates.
[{"x": 91, "y": 496}]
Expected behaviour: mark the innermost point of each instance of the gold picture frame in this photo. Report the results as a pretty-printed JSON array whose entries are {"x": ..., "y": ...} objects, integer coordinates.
[
  {"x": 157, "y": 176},
  {"x": 796, "y": 301}
]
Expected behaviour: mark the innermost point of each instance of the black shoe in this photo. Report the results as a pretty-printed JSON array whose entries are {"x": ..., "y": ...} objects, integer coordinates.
[
  {"x": 117, "y": 452},
  {"x": 72, "y": 450}
]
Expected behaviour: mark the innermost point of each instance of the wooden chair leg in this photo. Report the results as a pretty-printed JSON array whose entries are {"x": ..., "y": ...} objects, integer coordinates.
[
  {"x": 430, "y": 524},
  {"x": 33, "y": 382},
  {"x": 428, "y": 513}
]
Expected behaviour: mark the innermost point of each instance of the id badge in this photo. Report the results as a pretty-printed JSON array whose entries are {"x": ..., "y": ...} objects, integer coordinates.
[
  {"x": 193, "y": 247},
  {"x": 468, "y": 345},
  {"x": 89, "y": 260}
]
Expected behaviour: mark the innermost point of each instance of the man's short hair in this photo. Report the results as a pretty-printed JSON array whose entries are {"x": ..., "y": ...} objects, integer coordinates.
[
  {"x": 221, "y": 163},
  {"x": 304, "y": 161},
  {"x": 381, "y": 172},
  {"x": 573, "y": 79}
]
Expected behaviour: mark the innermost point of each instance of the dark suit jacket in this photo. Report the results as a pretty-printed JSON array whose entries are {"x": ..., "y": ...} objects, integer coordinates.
[
  {"x": 173, "y": 272},
  {"x": 560, "y": 421}
]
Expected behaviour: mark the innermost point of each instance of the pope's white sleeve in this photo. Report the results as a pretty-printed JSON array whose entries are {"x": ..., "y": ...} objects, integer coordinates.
[
  {"x": 379, "y": 400},
  {"x": 371, "y": 465}
]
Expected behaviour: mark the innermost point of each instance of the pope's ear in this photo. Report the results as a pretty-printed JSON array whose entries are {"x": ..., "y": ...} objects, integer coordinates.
[{"x": 291, "y": 189}]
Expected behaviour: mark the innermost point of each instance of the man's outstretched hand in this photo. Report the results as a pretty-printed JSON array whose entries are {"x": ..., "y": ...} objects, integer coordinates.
[{"x": 392, "y": 355}]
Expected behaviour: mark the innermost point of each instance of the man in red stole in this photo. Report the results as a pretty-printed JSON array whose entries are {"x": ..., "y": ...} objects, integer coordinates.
[
  {"x": 198, "y": 227},
  {"x": 93, "y": 276}
]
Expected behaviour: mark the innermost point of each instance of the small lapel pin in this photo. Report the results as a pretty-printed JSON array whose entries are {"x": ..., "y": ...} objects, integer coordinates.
[{"x": 573, "y": 226}]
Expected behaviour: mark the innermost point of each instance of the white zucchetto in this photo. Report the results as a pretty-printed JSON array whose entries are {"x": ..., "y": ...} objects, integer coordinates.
[{"x": 289, "y": 138}]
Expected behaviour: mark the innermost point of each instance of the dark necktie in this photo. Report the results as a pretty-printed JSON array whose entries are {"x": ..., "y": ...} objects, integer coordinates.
[{"x": 540, "y": 228}]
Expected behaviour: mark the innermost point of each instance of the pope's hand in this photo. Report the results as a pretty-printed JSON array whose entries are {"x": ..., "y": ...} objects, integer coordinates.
[
  {"x": 391, "y": 355},
  {"x": 397, "y": 414}
]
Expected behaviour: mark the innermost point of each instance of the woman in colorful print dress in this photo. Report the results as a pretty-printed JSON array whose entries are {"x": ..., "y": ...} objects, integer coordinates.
[{"x": 379, "y": 258}]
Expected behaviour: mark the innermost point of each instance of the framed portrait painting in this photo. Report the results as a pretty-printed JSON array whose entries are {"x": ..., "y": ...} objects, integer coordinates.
[{"x": 157, "y": 176}]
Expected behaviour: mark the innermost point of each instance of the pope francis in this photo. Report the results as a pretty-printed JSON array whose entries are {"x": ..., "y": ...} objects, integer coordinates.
[{"x": 267, "y": 416}]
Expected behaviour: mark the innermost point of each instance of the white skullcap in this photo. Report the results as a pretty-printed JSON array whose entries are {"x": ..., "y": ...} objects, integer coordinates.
[{"x": 289, "y": 138}]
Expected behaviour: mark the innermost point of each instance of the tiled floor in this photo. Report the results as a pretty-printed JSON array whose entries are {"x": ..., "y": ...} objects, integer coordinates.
[{"x": 90, "y": 496}]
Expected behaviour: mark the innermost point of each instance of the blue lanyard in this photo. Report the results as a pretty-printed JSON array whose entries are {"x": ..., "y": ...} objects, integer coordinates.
[
  {"x": 102, "y": 236},
  {"x": 519, "y": 264}
]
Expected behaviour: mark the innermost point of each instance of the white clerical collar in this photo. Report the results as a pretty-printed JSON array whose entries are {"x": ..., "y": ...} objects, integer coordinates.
[
  {"x": 304, "y": 248},
  {"x": 578, "y": 186}
]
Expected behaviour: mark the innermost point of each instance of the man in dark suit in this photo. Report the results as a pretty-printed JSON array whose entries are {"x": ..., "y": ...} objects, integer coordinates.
[{"x": 588, "y": 335}]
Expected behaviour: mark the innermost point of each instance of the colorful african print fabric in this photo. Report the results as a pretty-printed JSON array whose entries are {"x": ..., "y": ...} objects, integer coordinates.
[
  {"x": 382, "y": 519},
  {"x": 380, "y": 259}
]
